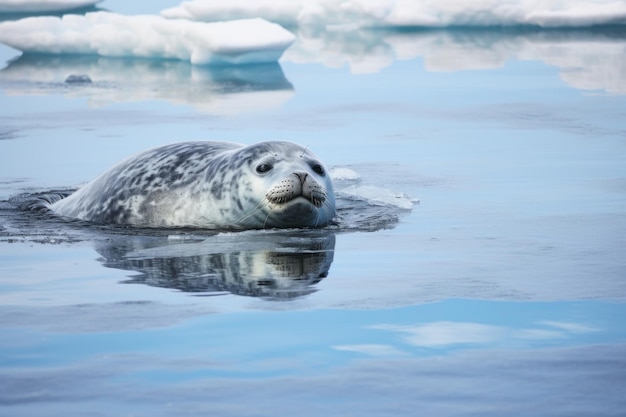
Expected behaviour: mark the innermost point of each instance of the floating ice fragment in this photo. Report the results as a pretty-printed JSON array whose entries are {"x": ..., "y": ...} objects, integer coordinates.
[
  {"x": 43, "y": 6},
  {"x": 379, "y": 196},
  {"x": 344, "y": 174},
  {"x": 78, "y": 79},
  {"x": 114, "y": 35}
]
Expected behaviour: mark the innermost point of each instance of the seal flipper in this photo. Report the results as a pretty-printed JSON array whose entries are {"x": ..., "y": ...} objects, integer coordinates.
[{"x": 40, "y": 202}]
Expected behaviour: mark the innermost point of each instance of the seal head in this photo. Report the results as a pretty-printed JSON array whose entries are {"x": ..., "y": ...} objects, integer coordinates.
[{"x": 214, "y": 185}]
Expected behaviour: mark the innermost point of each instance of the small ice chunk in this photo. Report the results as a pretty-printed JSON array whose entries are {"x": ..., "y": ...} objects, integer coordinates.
[
  {"x": 380, "y": 196},
  {"x": 78, "y": 79},
  {"x": 148, "y": 36},
  {"x": 344, "y": 174}
]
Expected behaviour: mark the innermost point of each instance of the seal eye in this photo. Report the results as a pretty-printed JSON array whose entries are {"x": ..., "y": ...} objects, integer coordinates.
[
  {"x": 318, "y": 169},
  {"x": 263, "y": 168}
]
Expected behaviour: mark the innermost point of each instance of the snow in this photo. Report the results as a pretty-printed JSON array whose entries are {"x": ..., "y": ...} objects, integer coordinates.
[
  {"x": 409, "y": 13},
  {"x": 149, "y": 36},
  {"x": 43, "y": 6}
]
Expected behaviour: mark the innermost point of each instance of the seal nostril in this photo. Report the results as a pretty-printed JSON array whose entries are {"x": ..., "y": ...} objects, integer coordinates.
[{"x": 301, "y": 176}]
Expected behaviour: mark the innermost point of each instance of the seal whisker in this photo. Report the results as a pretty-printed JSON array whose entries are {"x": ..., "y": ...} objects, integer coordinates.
[
  {"x": 328, "y": 206},
  {"x": 266, "y": 219},
  {"x": 258, "y": 208}
]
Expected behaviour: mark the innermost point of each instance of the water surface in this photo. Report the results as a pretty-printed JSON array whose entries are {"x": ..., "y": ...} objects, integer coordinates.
[{"x": 479, "y": 268}]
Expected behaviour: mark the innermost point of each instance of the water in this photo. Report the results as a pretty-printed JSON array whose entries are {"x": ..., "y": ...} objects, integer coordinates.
[{"x": 478, "y": 270}]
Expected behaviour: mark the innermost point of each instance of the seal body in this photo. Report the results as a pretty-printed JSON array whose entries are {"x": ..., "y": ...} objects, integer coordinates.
[{"x": 214, "y": 185}]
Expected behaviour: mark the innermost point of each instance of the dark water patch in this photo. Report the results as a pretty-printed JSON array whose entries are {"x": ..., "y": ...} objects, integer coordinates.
[
  {"x": 8, "y": 133},
  {"x": 24, "y": 218}
]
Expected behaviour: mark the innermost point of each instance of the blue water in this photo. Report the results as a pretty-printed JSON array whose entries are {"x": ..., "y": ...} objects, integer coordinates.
[{"x": 500, "y": 293}]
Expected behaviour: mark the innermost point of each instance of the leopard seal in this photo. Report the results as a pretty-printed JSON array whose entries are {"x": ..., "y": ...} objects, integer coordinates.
[{"x": 212, "y": 185}]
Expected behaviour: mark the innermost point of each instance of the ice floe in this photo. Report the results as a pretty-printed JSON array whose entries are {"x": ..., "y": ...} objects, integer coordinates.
[
  {"x": 107, "y": 34},
  {"x": 43, "y": 6},
  {"x": 409, "y": 13}
]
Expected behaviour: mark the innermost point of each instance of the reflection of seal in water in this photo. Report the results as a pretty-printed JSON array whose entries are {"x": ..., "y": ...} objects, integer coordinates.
[
  {"x": 209, "y": 185},
  {"x": 275, "y": 264}
]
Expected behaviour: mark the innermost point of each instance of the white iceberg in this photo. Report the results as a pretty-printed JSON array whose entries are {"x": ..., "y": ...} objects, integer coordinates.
[
  {"x": 113, "y": 35},
  {"x": 409, "y": 13},
  {"x": 43, "y": 6}
]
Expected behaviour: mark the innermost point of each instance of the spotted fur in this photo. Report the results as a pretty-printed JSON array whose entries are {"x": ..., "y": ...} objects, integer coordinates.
[{"x": 214, "y": 185}]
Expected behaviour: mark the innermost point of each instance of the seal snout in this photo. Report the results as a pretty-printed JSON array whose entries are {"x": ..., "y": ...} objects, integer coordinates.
[
  {"x": 302, "y": 176},
  {"x": 298, "y": 184}
]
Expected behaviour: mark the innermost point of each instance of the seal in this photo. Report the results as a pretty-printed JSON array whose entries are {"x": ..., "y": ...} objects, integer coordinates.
[{"x": 212, "y": 185}]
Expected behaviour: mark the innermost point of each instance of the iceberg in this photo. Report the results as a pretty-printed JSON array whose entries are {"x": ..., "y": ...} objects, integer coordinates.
[
  {"x": 43, "y": 6},
  {"x": 409, "y": 13},
  {"x": 108, "y": 34}
]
